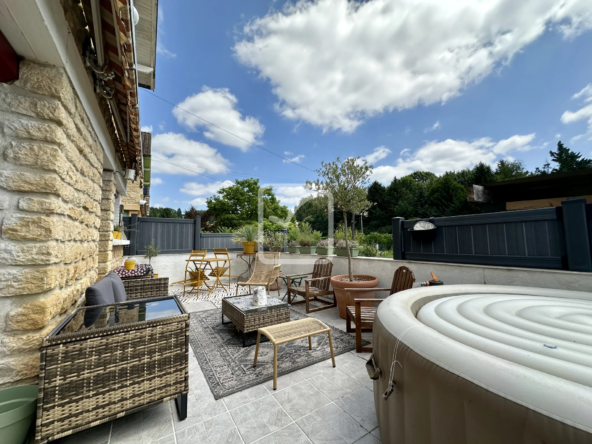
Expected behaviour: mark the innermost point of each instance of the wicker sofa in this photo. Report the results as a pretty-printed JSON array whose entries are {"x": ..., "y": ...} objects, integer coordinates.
[{"x": 92, "y": 376}]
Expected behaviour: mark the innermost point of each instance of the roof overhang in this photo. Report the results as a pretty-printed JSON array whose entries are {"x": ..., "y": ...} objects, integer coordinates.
[{"x": 146, "y": 30}]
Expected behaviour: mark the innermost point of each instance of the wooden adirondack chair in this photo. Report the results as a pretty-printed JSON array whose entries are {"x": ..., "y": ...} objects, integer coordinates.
[
  {"x": 317, "y": 286},
  {"x": 363, "y": 316}
]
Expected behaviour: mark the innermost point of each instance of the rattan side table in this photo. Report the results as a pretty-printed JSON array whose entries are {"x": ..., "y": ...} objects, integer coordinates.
[
  {"x": 247, "y": 317},
  {"x": 107, "y": 361}
]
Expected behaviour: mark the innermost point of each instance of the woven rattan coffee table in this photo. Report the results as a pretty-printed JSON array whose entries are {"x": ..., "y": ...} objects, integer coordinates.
[
  {"x": 291, "y": 331},
  {"x": 247, "y": 317}
]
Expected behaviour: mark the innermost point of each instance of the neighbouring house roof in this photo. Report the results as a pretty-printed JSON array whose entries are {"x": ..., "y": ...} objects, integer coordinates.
[
  {"x": 146, "y": 30},
  {"x": 146, "y": 144},
  {"x": 546, "y": 186}
]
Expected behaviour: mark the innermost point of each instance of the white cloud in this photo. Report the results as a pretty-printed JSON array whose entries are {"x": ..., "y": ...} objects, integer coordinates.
[
  {"x": 378, "y": 154},
  {"x": 199, "y": 202},
  {"x": 287, "y": 153},
  {"x": 165, "y": 199},
  {"x": 295, "y": 159},
  {"x": 434, "y": 127},
  {"x": 146, "y": 128},
  {"x": 156, "y": 181},
  {"x": 219, "y": 107},
  {"x": 407, "y": 130},
  {"x": 160, "y": 48},
  {"x": 205, "y": 189},
  {"x": 334, "y": 63},
  {"x": 291, "y": 194},
  {"x": 162, "y": 126},
  {"x": 584, "y": 113},
  {"x": 188, "y": 156},
  {"x": 451, "y": 155}
]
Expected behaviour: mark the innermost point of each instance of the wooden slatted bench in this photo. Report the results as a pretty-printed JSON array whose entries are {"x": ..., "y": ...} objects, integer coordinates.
[{"x": 291, "y": 331}]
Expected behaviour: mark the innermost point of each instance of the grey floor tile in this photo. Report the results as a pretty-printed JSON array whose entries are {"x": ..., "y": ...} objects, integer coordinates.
[
  {"x": 259, "y": 418},
  {"x": 334, "y": 384},
  {"x": 368, "y": 439},
  {"x": 219, "y": 429},
  {"x": 285, "y": 381},
  {"x": 127, "y": 429},
  {"x": 376, "y": 434},
  {"x": 301, "y": 399},
  {"x": 246, "y": 396},
  {"x": 288, "y": 435},
  {"x": 157, "y": 423},
  {"x": 94, "y": 435},
  {"x": 201, "y": 406},
  {"x": 316, "y": 369},
  {"x": 331, "y": 425},
  {"x": 359, "y": 404},
  {"x": 170, "y": 439}
]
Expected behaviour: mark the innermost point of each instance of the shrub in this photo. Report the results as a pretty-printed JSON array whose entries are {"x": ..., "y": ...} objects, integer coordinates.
[
  {"x": 326, "y": 243},
  {"x": 275, "y": 241}
]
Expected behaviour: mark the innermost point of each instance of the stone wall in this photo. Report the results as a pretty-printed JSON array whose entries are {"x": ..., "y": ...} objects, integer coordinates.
[
  {"x": 135, "y": 192},
  {"x": 106, "y": 228},
  {"x": 50, "y": 212}
]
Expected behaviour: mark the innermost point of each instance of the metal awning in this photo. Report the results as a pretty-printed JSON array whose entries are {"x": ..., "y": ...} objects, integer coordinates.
[{"x": 146, "y": 42}]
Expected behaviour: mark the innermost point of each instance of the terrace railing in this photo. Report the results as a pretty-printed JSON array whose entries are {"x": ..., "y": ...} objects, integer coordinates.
[{"x": 551, "y": 238}]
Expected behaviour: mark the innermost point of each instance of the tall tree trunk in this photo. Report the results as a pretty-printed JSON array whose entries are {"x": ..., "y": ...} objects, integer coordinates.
[{"x": 349, "y": 270}]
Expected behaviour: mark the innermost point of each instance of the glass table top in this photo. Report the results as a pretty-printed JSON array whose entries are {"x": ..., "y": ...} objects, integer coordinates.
[
  {"x": 92, "y": 318},
  {"x": 245, "y": 303}
]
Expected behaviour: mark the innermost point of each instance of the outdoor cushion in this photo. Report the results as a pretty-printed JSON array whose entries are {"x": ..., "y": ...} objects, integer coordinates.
[
  {"x": 100, "y": 293},
  {"x": 118, "y": 288}
]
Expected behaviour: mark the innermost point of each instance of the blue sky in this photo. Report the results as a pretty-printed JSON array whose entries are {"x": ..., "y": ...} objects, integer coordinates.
[{"x": 438, "y": 86}]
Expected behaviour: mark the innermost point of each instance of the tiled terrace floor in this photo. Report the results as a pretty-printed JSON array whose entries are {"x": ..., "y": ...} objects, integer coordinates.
[{"x": 318, "y": 404}]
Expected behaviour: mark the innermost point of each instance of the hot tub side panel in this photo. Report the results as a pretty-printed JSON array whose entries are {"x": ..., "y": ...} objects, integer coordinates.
[{"x": 433, "y": 405}]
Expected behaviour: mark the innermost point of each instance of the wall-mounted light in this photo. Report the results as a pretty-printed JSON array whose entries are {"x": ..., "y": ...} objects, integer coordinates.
[{"x": 128, "y": 174}]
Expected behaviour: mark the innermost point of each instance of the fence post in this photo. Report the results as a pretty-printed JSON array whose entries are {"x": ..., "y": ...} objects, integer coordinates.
[
  {"x": 577, "y": 240},
  {"x": 134, "y": 228},
  {"x": 197, "y": 234},
  {"x": 398, "y": 250}
]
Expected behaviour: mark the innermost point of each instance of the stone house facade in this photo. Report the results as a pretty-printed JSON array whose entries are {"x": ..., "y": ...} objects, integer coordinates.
[{"x": 62, "y": 164}]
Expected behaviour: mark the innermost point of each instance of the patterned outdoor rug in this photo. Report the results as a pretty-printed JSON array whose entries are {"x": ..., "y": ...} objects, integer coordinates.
[
  {"x": 228, "y": 366},
  {"x": 215, "y": 297}
]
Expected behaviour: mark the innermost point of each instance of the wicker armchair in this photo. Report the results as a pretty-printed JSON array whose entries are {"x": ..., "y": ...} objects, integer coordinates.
[
  {"x": 363, "y": 312},
  {"x": 146, "y": 288},
  {"x": 265, "y": 272},
  {"x": 317, "y": 286}
]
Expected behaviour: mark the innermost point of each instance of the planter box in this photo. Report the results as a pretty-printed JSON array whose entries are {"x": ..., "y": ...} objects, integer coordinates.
[
  {"x": 294, "y": 250},
  {"x": 343, "y": 251},
  {"x": 324, "y": 251},
  {"x": 308, "y": 250}
]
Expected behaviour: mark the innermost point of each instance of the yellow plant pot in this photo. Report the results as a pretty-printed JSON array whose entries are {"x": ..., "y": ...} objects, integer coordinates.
[
  {"x": 117, "y": 235},
  {"x": 249, "y": 247},
  {"x": 130, "y": 265},
  {"x": 155, "y": 275}
]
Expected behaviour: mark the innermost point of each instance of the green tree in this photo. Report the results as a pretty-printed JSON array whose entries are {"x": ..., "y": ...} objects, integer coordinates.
[
  {"x": 237, "y": 205},
  {"x": 482, "y": 174},
  {"x": 179, "y": 213},
  {"x": 508, "y": 170},
  {"x": 447, "y": 197},
  {"x": 314, "y": 211},
  {"x": 167, "y": 213},
  {"x": 568, "y": 160},
  {"x": 347, "y": 182}
]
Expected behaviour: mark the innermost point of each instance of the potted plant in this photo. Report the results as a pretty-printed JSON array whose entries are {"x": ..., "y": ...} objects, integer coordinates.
[
  {"x": 248, "y": 235},
  {"x": 341, "y": 248},
  {"x": 325, "y": 247},
  {"x": 18, "y": 406},
  {"x": 308, "y": 239},
  {"x": 294, "y": 247},
  {"x": 275, "y": 241},
  {"x": 346, "y": 181},
  {"x": 151, "y": 251},
  {"x": 117, "y": 230}
]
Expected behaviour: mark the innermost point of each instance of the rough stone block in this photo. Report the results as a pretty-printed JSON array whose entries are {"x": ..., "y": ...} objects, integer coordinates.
[
  {"x": 19, "y": 367},
  {"x": 16, "y": 282},
  {"x": 17, "y": 253}
]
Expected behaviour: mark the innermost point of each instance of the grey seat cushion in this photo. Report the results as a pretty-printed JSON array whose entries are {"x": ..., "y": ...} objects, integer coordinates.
[
  {"x": 100, "y": 293},
  {"x": 118, "y": 288}
]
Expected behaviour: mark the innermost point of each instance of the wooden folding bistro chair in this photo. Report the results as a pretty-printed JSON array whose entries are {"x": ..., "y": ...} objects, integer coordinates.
[
  {"x": 363, "y": 315},
  {"x": 266, "y": 270},
  {"x": 317, "y": 286},
  {"x": 222, "y": 269},
  {"x": 195, "y": 276}
]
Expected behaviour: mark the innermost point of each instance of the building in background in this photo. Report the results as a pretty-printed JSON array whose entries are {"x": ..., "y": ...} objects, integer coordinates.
[{"x": 69, "y": 145}]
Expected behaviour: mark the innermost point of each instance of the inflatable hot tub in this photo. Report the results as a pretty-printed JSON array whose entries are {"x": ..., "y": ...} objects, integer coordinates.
[{"x": 484, "y": 364}]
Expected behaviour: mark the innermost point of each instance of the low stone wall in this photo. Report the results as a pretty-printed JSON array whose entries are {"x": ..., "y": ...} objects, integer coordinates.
[
  {"x": 50, "y": 212},
  {"x": 173, "y": 265}
]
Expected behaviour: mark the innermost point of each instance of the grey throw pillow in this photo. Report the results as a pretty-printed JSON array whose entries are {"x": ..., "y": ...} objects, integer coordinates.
[
  {"x": 100, "y": 293},
  {"x": 118, "y": 288}
]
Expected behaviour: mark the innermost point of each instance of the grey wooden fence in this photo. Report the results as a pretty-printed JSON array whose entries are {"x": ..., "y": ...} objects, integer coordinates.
[
  {"x": 172, "y": 236},
  {"x": 551, "y": 238}
]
